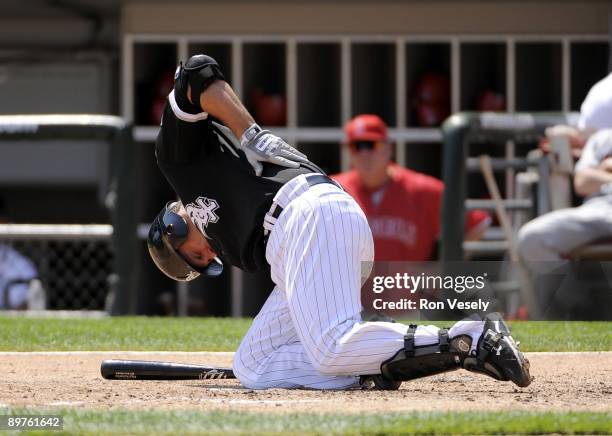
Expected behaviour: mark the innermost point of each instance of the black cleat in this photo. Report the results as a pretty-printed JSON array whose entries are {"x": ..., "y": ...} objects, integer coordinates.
[{"x": 497, "y": 355}]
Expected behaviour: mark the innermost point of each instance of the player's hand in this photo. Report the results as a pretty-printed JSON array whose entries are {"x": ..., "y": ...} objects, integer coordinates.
[{"x": 266, "y": 147}]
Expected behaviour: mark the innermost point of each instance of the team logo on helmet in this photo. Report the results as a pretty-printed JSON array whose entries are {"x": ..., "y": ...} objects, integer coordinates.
[{"x": 202, "y": 212}]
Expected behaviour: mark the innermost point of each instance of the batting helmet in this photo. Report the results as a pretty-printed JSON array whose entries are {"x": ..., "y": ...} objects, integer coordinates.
[{"x": 168, "y": 231}]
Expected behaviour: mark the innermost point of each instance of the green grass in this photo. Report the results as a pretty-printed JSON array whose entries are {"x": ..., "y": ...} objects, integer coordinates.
[
  {"x": 563, "y": 335},
  {"x": 224, "y": 334},
  {"x": 228, "y": 422},
  {"x": 134, "y": 333}
]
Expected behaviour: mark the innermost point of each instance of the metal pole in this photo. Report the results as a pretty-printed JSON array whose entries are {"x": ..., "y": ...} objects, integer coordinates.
[
  {"x": 454, "y": 131},
  {"x": 125, "y": 222}
]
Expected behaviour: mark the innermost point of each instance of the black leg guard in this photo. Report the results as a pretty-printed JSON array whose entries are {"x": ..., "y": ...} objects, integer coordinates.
[
  {"x": 415, "y": 362},
  {"x": 496, "y": 355}
]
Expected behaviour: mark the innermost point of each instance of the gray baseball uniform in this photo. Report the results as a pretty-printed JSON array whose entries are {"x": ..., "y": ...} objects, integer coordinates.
[{"x": 544, "y": 241}]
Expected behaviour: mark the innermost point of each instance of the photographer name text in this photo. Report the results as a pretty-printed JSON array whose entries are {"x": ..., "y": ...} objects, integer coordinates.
[{"x": 424, "y": 304}]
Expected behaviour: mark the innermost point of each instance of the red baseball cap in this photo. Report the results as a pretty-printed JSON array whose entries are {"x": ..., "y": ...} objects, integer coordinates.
[{"x": 366, "y": 128}]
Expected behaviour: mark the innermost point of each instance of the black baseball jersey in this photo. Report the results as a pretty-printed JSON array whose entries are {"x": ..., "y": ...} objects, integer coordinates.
[{"x": 218, "y": 187}]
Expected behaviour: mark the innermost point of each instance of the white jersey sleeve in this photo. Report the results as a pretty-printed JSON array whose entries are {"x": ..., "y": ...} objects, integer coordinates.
[{"x": 597, "y": 148}]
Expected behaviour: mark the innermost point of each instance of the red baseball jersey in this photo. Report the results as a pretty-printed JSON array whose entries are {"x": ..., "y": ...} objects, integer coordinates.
[{"x": 404, "y": 215}]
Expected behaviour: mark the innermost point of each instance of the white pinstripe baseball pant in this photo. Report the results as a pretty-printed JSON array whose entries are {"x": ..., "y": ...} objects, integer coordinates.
[{"x": 309, "y": 332}]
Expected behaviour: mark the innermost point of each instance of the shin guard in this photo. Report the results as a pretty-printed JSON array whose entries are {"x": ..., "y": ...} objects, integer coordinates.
[{"x": 414, "y": 362}]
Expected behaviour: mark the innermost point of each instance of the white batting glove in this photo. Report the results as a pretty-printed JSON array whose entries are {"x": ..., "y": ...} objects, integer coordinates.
[{"x": 262, "y": 146}]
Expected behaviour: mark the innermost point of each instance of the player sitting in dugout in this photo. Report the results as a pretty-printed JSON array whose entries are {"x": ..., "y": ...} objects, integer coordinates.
[
  {"x": 388, "y": 194},
  {"x": 257, "y": 203},
  {"x": 546, "y": 243}
]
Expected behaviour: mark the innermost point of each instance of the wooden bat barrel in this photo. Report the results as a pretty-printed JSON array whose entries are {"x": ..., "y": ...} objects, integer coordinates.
[{"x": 153, "y": 370}]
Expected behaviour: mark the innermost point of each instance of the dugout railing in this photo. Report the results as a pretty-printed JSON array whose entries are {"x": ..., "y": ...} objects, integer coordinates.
[
  {"x": 119, "y": 196},
  {"x": 464, "y": 129}
]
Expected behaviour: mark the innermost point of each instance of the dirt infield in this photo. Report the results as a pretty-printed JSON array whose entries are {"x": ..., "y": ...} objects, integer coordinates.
[{"x": 564, "y": 381}]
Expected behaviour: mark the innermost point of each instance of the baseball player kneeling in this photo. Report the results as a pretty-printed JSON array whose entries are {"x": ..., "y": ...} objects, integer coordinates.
[{"x": 259, "y": 203}]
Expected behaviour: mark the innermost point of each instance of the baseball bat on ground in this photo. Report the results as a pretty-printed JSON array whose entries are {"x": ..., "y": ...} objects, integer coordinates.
[{"x": 152, "y": 370}]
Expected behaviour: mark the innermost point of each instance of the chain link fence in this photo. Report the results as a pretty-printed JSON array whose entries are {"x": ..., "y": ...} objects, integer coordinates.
[{"x": 74, "y": 271}]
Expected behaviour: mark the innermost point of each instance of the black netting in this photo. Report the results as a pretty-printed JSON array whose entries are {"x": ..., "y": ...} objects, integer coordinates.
[{"x": 74, "y": 274}]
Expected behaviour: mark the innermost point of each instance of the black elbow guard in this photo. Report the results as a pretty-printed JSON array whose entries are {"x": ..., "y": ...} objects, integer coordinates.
[{"x": 198, "y": 72}]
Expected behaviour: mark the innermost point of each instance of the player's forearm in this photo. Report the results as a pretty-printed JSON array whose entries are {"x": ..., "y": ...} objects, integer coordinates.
[
  {"x": 589, "y": 180},
  {"x": 220, "y": 101}
]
